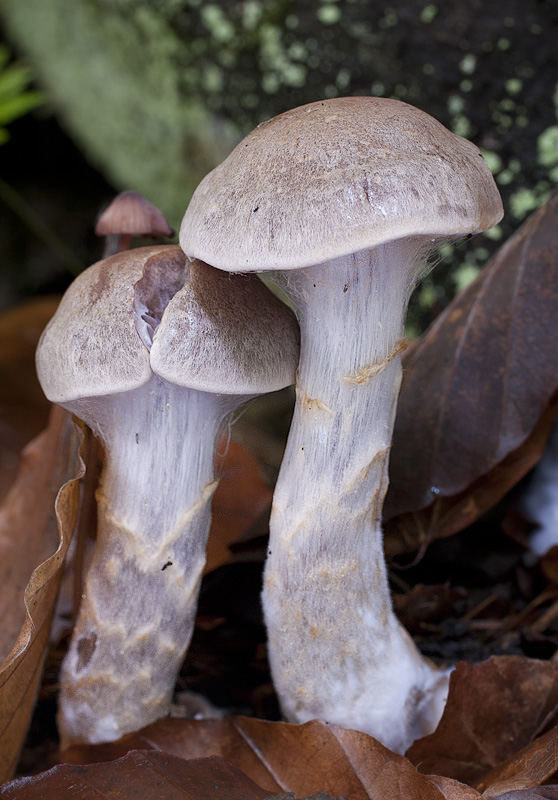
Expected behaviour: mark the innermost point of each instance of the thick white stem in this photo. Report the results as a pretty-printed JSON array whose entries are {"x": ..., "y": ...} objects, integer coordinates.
[
  {"x": 139, "y": 603},
  {"x": 337, "y": 651}
]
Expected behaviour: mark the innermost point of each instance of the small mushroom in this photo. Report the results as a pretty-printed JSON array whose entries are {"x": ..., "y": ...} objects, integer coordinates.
[
  {"x": 130, "y": 214},
  {"x": 152, "y": 352},
  {"x": 345, "y": 199}
]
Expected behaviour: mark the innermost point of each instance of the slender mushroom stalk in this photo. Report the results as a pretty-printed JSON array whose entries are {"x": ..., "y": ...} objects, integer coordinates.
[
  {"x": 346, "y": 199},
  {"x": 152, "y": 352},
  {"x": 130, "y": 214}
]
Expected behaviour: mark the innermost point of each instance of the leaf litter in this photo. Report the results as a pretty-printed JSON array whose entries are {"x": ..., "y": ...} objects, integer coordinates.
[{"x": 498, "y": 735}]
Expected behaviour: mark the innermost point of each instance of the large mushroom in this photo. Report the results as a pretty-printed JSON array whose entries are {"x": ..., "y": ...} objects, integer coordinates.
[
  {"x": 345, "y": 200},
  {"x": 152, "y": 352}
]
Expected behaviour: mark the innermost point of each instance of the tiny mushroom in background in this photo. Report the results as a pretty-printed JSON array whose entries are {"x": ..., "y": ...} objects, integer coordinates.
[
  {"x": 345, "y": 199},
  {"x": 130, "y": 214},
  {"x": 152, "y": 352}
]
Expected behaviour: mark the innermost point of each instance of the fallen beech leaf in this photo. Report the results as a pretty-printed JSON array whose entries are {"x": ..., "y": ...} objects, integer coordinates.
[
  {"x": 453, "y": 790},
  {"x": 151, "y": 776},
  {"x": 541, "y": 793},
  {"x": 450, "y": 515},
  {"x": 494, "y": 709},
  {"x": 31, "y": 558},
  {"x": 476, "y": 385},
  {"x": 23, "y": 407},
  {"x": 303, "y": 759},
  {"x": 240, "y": 499},
  {"x": 532, "y": 766}
]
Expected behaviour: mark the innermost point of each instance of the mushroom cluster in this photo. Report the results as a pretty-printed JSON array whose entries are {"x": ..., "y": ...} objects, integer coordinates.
[
  {"x": 152, "y": 351},
  {"x": 344, "y": 201}
]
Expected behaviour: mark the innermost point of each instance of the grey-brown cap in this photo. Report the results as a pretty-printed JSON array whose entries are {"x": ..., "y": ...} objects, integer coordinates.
[
  {"x": 206, "y": 330},
  {"x": 226, "y": 334},
  {"x": 91, "y": 346},
  {"x": 335, "y": 177},
  {"x": 131, "y": 214}
]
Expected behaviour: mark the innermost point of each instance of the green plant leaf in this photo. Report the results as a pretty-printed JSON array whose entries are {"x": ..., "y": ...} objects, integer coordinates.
[
  {"x": 19, "y": 106},
  {"x": 14, "y": 80}
]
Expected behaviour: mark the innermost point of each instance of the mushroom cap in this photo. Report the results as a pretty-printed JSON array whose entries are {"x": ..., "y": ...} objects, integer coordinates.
[
  {"x": 226, "y": 334},
  {"x": 130, "y": 213},
  {"x": 212, "y": 332},
  {"x": 332, "y": 178},
  {"x": 91, "y": 346}
]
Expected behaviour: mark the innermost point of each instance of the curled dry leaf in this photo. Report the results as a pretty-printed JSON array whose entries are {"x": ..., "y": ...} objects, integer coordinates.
[
  {"x": 531, "y": 767},
  {"x": 453, "y": 790},
  {"x": 151, "y": 776},
  {"x": 32, "y": 554},
  {"x": 23, "y": 407},
  {"x": 540, "y": 793},
  {"x": 475, "y": 390},
  {"x": 494, "y": 709},
  {"x": 280, "y": 757}
]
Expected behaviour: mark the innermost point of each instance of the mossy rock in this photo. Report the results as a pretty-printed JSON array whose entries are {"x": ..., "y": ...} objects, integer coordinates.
[
  {"x": 113, "y": 80},
  {"x": 156, "y": 92}
]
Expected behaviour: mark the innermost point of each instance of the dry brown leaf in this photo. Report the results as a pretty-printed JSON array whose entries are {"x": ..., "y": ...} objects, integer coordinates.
[
  {"x": 24, "y": 409},
  {"x": 454, "y": 790},
  {"x": 240, "y": 499},
  {"x": 449, "y": 515},
  {"x": 32, "y": 554},
  {"x": 494, "y": 709},
  {"x": 531, "y": 766},
  {"x": 145, "y": 775},
  {"x": 304, "y": 759},
  {"x": 476, "y": 385},
  {"x": 540, "y": 793}
]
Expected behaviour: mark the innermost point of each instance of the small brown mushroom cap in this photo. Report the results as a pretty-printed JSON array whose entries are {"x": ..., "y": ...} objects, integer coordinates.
[
  {"x": 210, "y": 331},
  {"x": 131, "y": 214},
  {"x": 226, "y": 334},
  {"x": 332, "y": 178}
]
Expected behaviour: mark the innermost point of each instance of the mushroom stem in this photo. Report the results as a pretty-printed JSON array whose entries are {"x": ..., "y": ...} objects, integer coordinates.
[
  {"x": 337, "y": 651},
  {"x": 116, "y": 243},
  {"x": 154, "y": 506},
  {"x": 125, "y": 242}
]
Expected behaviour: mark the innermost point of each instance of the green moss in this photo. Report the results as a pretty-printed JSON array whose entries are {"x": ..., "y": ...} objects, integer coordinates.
[
  {"x": 493, "y": 160},
  {"x": 461, "y": 125},
  {"x": 547, "y": 147},
  {"x": 524, "y": 201},
  {"x": 218, "y": 25},
  {"x": 495, "y": 234},
  {"x": 427, "y": 296},
  {"x": 157, "y": 91},
  {"x": 513, "y": 86},
  {"x": 464, "y": 275},
  {"x": 328, "y": 14},
  {"x": 468, "y": 64},
  {"x": 428, "y": 14}
]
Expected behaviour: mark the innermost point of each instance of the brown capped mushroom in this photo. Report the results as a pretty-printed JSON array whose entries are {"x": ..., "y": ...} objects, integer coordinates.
[
  {"x": 152, "y": 352},
  {"x": 130, "y": 214},
  {"x": 344, "y": 200}
]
